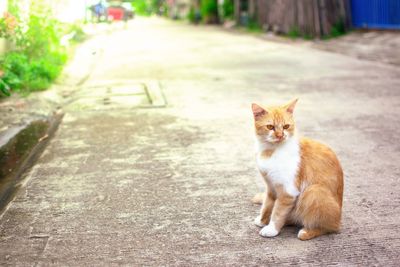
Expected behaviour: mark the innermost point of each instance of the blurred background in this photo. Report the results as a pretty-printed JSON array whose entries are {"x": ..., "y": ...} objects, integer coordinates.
[{"x": 63, "y": 21}]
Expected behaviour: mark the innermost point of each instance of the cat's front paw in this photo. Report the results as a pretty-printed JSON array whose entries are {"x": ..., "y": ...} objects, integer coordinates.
[
  {"x": 258, "y": 222},
  {"x": 269, "y": 230}
]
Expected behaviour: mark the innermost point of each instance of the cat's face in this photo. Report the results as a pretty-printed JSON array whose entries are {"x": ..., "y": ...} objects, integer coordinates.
[{"x": 274, "y": 124}]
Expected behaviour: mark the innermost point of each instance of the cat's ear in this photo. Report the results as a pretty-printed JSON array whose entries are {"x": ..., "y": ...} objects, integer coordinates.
[
  {"x": 290, "y": 106},
  {"x": 258, "y": 111}
]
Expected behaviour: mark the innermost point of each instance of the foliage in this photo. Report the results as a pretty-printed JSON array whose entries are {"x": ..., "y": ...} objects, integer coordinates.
[
  {"x": 228, "y": 8},
  {"x": 147, "y": 7},
  {"x": 191, "y": 15},
  {"x": 294, "y": 32},
  {"x": 307, "y": 36},
  {"x": 194, "y": 15},
  {"x": 24, "y": 74},
  {"x": 209, "y": 10},
  {"x": 7, "y": 25},
  {"x": 254, "y": 26},
  {"x": 15, "y": 66},
  {"x": 338, "y": 29},
  {"x": 142, "y": 7},
  {"x": 78, "y": 35},
  {"x": 41, "y": 37},
  {"x": 164, "y": 10},
  {"x": 38, "y": 56}
]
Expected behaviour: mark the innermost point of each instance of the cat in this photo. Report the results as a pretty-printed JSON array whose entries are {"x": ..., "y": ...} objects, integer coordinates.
[{"x": 303, "y": 178}]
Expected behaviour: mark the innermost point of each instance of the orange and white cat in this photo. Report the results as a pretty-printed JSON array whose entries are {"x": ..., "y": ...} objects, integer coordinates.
[{"x": 303, "y": 178}]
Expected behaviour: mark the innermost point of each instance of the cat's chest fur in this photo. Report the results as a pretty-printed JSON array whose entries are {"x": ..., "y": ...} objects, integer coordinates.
[{"x": 281, "y": 167}]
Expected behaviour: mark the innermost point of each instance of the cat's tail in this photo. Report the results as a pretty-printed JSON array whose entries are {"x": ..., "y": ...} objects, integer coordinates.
[{"x": 258, "y": 198}]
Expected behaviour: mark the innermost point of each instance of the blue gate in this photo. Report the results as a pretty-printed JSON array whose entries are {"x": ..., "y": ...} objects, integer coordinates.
[{"x": 376, "y": 14}]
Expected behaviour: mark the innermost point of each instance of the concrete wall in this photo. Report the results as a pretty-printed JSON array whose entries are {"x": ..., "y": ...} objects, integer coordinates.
[{"x": 309, "y": 17}]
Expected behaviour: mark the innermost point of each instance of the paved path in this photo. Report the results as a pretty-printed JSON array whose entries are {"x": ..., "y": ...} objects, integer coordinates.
[
  {"x": 171, "y": 186},
  {"x": 380, "y": 46}
]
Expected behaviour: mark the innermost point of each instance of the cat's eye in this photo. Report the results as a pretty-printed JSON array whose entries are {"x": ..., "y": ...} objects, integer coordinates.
[
  {"x": 286, "y": 126},
  {"x": 270, "y": 127}
]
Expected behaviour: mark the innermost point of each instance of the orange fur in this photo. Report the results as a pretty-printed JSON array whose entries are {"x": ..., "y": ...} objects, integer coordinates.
[
  {"x": 319, "y": 178},
  {"x": 267, "y": 207}
]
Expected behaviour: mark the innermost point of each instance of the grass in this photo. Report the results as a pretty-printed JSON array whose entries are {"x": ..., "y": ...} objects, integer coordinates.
[
  {"x": 254, "y": 26},
  {"x": 294, "y": 33},
  {"x": 337, "y": 30}
]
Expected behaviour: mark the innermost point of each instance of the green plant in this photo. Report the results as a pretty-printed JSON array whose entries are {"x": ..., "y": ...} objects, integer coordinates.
[
  {"x": 5, "y": 88},
  {"x": 38, "y": 57},
  {"x": 209, "y": 11},
  {"x": 24, "y": 75},
  {"x": 7, "y": 25},
  {"x": 78, "y": 35},
  {"x": 194, "y": 15},
  {"x": 141, "y": 7},
  {"x": 294, "y": 32},
  {"x": 164, "y": 10},
  {"x": 338, "y": 29},
  {"x": 228, "y": 8},
  {"x": 253, "y": 26},
  {"x": 307, "y": 36},
  {"x": 15, "y": 67},
  {"x": 43, "y": 35},
  {"x": 44, "y": 71},
  {"x": 191, "y": 15}
]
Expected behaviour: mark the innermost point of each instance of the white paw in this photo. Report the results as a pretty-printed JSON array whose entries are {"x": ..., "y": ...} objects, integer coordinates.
[
  {"x": 301, "y": 232},
  {"x": 269, "y": 230},
  {"x": 257, "y": 221}
]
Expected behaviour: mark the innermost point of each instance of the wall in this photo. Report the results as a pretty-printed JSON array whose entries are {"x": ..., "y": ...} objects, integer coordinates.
[{"x": 313, "y": 18}]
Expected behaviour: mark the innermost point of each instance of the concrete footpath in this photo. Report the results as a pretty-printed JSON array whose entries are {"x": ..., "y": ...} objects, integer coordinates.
[{"x": 131, "y": 179}]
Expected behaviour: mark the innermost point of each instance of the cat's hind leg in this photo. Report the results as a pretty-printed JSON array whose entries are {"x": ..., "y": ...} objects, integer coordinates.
[{"x": 318, "y": 211}]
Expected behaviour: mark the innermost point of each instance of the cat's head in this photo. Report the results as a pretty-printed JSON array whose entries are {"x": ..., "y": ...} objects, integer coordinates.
[{"x": 274, "y": 124}]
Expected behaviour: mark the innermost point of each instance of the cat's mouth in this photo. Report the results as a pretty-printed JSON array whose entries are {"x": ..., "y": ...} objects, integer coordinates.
[{"x": 278, "y": 140}]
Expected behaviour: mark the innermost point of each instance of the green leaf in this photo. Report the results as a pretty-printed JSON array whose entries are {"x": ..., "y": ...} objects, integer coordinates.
[{"x": 4, "y": 88}]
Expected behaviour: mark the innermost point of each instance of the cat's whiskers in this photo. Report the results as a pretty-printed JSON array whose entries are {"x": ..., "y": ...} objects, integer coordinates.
[{"x": 263, "y": 143}]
